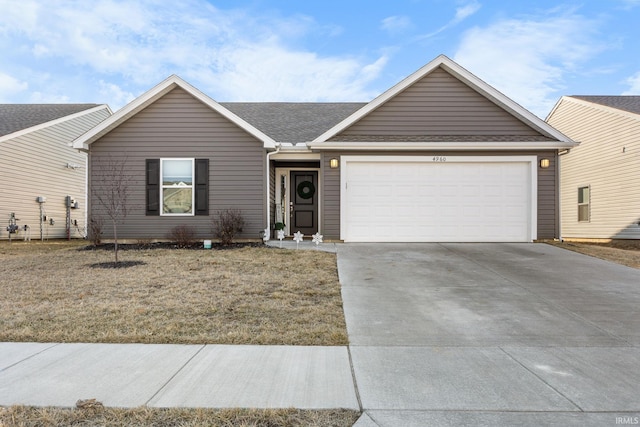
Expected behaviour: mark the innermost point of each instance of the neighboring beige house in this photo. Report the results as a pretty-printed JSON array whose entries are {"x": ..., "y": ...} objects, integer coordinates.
[
  {"x": 600, "y": 179},
  {"x": 39, "y": 168},
  {"x": 439, "y": 157}
]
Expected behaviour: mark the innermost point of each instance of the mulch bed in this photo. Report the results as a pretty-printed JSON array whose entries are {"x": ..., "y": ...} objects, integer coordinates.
[{"x": 171, "y": 245}]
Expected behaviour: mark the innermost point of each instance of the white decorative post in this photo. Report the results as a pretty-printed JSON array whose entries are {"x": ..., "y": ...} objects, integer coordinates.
[
  {"x": 317, "y": 238},
  {"x": 280, "y": 236},
  {"x": 297, "y": 237}
]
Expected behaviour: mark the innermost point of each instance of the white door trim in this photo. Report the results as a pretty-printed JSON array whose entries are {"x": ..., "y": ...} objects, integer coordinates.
[
  {"x": 532, "y": 162},
  {"x": 287, "y": 196}
]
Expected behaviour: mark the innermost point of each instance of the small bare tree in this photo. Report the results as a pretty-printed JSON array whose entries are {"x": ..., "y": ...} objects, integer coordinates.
[{"x": 110, "y": 187}]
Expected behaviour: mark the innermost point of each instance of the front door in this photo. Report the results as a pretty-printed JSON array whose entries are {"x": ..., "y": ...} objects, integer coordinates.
[{"x": 303, "y": 205}]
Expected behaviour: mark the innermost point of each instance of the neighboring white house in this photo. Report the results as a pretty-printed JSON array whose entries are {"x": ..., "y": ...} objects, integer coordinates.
[
  {"x": 39, "y": 168},
  {"x": 600, "y": 179}
]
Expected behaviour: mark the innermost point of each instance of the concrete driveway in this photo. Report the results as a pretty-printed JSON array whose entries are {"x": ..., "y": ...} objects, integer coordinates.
[{"x": 491, "y": 334}]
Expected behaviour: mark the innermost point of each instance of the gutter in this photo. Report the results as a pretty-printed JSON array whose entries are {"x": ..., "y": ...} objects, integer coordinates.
[
  {"x": 441, "y": 145},
  {"x": 267, "y": 230}
]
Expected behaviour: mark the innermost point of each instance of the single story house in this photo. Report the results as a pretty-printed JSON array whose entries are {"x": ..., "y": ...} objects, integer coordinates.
[
  {"x": 44, "y": 179},
  {"x": 439, "y": 157},
  {"x": 600, "y": 179}
]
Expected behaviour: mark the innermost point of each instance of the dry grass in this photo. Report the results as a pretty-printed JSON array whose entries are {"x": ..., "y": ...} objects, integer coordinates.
[
  {"x": 21, "y": 416},
  {"x": 239, "y": 296},
  {"x": 625, "y": 252}
]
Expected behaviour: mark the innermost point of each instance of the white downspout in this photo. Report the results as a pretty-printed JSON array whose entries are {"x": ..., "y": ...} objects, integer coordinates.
[{"x": 267, "y": 230}]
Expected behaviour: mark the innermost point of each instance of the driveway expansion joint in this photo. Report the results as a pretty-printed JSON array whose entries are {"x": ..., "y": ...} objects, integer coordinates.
[{"x": 541, "y": 379}]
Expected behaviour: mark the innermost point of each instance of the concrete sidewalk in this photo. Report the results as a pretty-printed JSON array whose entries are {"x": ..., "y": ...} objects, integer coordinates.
[{"x": 167, "y": 375}]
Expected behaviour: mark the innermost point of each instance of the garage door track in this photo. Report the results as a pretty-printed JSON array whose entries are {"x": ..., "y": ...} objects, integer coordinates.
[{"x": 491, "y": 334}]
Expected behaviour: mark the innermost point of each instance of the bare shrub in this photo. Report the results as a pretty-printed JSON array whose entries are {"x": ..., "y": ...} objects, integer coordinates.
[
  {"x": 227, "y": 224},
  {"x": 112, "y": 191},
  {"x": 183, "y": 235},
  {"x": 95, "y": 230}
]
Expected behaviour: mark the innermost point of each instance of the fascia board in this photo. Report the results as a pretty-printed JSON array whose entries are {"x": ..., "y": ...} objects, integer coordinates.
[
  {"x": 443, "y": 146},
  {"x": 555, "y": 107},
  {"x": 55, "y": 122}
]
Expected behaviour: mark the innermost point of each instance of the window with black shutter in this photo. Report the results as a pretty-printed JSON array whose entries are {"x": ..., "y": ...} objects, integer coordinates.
[
  {"x": 177, "y": 187},
  {"x": 153, "y": 187}
]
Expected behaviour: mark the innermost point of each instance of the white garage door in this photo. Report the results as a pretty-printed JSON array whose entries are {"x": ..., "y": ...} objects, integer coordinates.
[{"x": 438, "y": 199}]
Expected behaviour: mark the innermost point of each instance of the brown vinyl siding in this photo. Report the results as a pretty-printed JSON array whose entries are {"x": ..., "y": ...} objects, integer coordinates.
[
  {"x": 438, "y": 104},
  {"x": 547, "y": 195},
  {"x": 178, "y": 125},
  {"x": 34, "y": 164},
  {"x": 608, "y": 161}
]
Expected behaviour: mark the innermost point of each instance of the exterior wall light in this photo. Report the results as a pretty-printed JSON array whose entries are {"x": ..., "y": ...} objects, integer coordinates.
[
  {"x": 333, "y": 163},
  {"x": 544, "y": 163}
]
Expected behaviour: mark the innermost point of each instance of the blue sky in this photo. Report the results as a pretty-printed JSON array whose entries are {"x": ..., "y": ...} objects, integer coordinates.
[{"x": 110, "y": 51}]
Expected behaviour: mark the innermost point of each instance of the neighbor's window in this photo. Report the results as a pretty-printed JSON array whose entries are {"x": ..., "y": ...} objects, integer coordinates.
[
  {"x": 583, "y": 203},
  {"x": 177, "y": 193}
]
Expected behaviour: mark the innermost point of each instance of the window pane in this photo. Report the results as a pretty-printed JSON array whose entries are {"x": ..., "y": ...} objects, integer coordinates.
[
  {"x": 177, "y": 172},
  {"x": 583, "y": 195},
  {"x": 583, "y": 213},
  {"x": 177, "y": 200}
]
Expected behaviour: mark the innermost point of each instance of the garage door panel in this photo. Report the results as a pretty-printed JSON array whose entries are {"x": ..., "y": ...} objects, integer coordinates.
[{"x": 427, "y": 201}]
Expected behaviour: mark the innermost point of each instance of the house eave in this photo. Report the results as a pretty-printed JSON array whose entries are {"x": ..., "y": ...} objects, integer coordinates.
[{"x": 443, "y": 146}]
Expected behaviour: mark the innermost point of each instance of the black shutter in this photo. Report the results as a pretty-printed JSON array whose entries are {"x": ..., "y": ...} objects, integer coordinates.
[
  {"x": 202, "y": 187},
  {"x": 153, "y": 187}
]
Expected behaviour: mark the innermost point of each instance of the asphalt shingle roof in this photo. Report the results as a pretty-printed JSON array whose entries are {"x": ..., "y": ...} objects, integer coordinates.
[
  {"x": 15, "y": 117},
  {"x": 622, "y": 102},
  {"x": 293, "y": 121}
]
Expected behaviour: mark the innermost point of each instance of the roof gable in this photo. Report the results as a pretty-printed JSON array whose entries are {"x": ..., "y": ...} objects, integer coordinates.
[
  {"x": 439, "y": 105},
  {"x": 151, "y": 96},
  {"x": 456, "y": 79},
  {"x": 23, "y": 118}
]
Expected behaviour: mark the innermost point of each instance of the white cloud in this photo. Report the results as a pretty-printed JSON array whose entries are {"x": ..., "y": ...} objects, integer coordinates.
[
  {"x": 634, "y": 85},
  {"x": 630, "y": 4},
  {"x": 462, "y": 13},
  {"x": 114, "y": 95},
  {"x": 529, "y": 59},
  {"x": 396, "y": 24},
  {"x": 466, "y": 11},
  {"x": 270, "y": 73},
  {"x": 238, "y": 56},
  {"x": 48, "y": 98},
  {"x": 9, "y": 85}
]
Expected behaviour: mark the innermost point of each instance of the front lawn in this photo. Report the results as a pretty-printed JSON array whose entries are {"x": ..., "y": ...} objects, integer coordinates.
[
  {"x": 625, "y": 252},
  {"x": 54, "y": 292},
  {"x": 21, "y": 416}
]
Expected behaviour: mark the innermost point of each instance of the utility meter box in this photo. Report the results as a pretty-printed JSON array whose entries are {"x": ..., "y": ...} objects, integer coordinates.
[{"x": 41, "y": 199}]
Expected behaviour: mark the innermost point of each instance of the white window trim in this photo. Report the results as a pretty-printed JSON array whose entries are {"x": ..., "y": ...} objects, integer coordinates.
[
  {"x": 587, "y": 203},
  {"x": 192, "y": 187}
]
